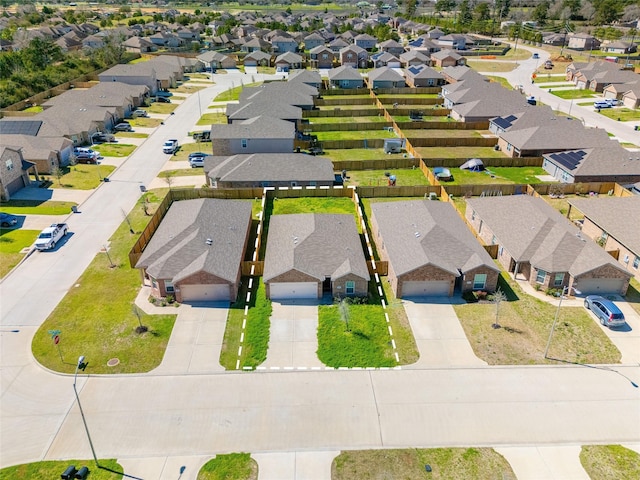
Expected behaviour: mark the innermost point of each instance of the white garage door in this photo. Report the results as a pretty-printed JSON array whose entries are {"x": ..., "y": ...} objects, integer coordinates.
[
  {"x": 283, "y": 291},
  {"x": 205, "y": 293},
  {"x": 425, "y": 289},
  {"x": 600, "y": 286}
]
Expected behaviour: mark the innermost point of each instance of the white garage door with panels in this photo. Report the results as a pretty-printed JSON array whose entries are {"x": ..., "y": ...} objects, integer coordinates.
[
  {"x": 286, "y": 290},
  {"x": 425, "y": 289},
  {"x": 600, "y": 286},
  {"x": 205, "y": 293}
]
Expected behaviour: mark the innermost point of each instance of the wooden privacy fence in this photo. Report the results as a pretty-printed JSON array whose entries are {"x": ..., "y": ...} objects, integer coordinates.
[
  {"x": 418, "y": 142},
  {"x": 404, "y": 101},
  {"x": 347, "y": 127},
  {"x": 343, "y": 101},
  {"x": 427, "y": 112},
  {"x": 488, "y": 162},
  {"x": 377, "y": 164},
  {"x": 406, "y": 90},
  {"x": 601, "y": 188},
  {"x": 344, "y": 144},
  {"x": 338, "y": 112},
  {"x": 330, "y": 92},
  {"x": 399, "y": 191},
  {"x": 258, "y": 268},
  {"x": 443, "y": 125},
  {"x": 382, "y": 267}
]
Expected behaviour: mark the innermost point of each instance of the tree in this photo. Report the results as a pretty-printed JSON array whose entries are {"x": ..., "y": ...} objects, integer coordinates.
[
  {"x": 58, "y": 173},
  {"x": 466, "y": 16},
  {"x": 482, "y": 11},
  {"x": 498, "y": 297},
  {"x": 607, "y": 11},
  {"x": 410, "y": 8},
  {"x": 541, "y": 12},
  {"x": 445, "y": 5},
  {"x": 502, "y": 8}
]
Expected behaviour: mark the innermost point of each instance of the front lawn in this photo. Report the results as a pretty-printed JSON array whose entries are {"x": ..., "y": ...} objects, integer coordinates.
[
  {"x": 52, "y": 469},
  {"x": 232, "y": 466},
  {"x": 162, "y": 108},
  {"x": 186, "y": 148},
  {"x": 622, "y": 114},
  {"x": 256, "y": 338},
  {"x": 445, "y": 463},
  {"x": 403, "y": 335},
  {"x": 96, "y": 318},
  {"x": 459, "y": 152},
  {"x": 115, "y": 149},
  {"x": 491, "y": 66},
  {"x": 355, "y": 135},
  {"x": 82, "y": 176},
  {"x": 359, "y": 154},
  {"x": 211, "y": 118},
  {"x": 633, "y": 295},
  {"x": 131, "y": 135},
  {"x": 501, "y": 80},
  {"x": 37, "y": 207},
  {"x": 609, "y": 462},
  {"x": 144, "y": 122},
  {"x": 234, "y": 93},
  {"x": 525, "y": 325},
  {"x": 182, "y": 172},
  {"x": 404, "y": 177},
  {"x": 188, "y": 89},
  {"x": 12, "y": 241},
  {"x": 572, "y": 93}
]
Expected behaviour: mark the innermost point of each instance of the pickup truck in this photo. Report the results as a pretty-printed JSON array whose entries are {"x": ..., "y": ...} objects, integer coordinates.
[
  {"x": 51, "y": 235},
  {"x": 170, "y": 146}
]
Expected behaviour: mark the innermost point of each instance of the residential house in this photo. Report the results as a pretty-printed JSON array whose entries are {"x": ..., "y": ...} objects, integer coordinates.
[
  {"x": 188, "y": 35},
  {"x": 132, "y": 74},
  {"x": 321, "y": 57},
  {"x": 256, "y": 135},
  {"x": 536, "y": 243},
  {"x": 288, "y": 61},
  {"x": 384, "y": 59},
  {"x": 197, "y": 251},
  {"x": 139, "y": 45},
  {"x": 308, "y": 77},
  {"x": 258, "y": 170},
  {"x": 46, "y": 153},
  {"x": 313, "y": 40},
  {"x": 338, "y": 44},
  {"x": 311, "y": 254},
  {"x": 345, "y": 77},
  {"x": 414, "y": 57},
  {"x": 611, "y": 163},
  {"x": 434, "y": 34},
  {"x": 424, "y": 45},
  {"x": 385, "y": 77},
  {"x": 257, "y": 58},
  {"x": 254, "y": 45},
  {"x": 166, "y": 40},
  {"x": 14, "y": 171},
  {"x": 583, "y": 41},
  {"x": 391, "y": 46},
  {"x": 453, "y": 41},
  {"x": 263, "y": 107},
  {"x": 365, "y": 41},
  {"x": 609, "y": 221},
  {"x": 216, "y": 60},
  {"x": 353, "y": 56},
  {"x": 298, "y": 94},
  {"x": 423, "y": 76},
  {"x": 281, "y": 44},
  {"x": 617, "y": 90},
  {"x": 430, "y": 250},
  {"x": 631, "y": 98},
  {"x": 619, "y": 47},
  {"x": 92, "y": 41},
  {"x": 447, "y": 58}
]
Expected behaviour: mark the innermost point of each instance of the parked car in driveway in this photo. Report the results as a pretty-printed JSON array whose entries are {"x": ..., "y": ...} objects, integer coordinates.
[
  {"x": 163, "y": 100},
  {"x": 140, "y": 113},
  {"x": 196, "y": 162},
  {"x": 7, "y": 220},
  {"x": 123, "y": 127},
  {"x": 197, "y": 154},
  {"x": 607, "y": 312}
]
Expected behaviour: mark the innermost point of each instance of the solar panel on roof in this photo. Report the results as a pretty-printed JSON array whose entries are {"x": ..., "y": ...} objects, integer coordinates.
[
  {"x": 415, "y": 70},
  {"x": 570, "y": 160},
  {"x": 17, "y": 127}
]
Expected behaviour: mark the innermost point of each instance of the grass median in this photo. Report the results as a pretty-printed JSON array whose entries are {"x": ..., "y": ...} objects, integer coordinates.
[
  {"x": 96, "y": 318},
  {"x": 53, "y": 469},
  {"x": 232, "y": 466},
  {"x": 609, "y": 462},
  {"x": 12, "y": 242}
]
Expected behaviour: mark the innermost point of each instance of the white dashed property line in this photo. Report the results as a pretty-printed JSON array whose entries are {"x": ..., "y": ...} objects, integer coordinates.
[
  {"x": 248, "y": 297},
  {"x": 384, "y": 304},
  {"x": 397, "y": 357},
  {"x": 246, "y": 311},
  {"x": 377, "y": 277},
  {"x": 393, "y": 343},
  {"x": 246, "y": 368},
  {"x": 255, "y": 255}
]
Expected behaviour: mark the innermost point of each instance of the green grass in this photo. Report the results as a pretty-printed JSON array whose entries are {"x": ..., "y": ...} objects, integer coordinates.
[
  {"x": 182, "y": 172},
  {"x": 405, "y": 341},
  {"x": 497, "y": 175},
  {"x": 362, "y": 342},
  {"x": 623, "y": 114},
  {"x": 232, "y": 466},
  {"x": 256, "y": 340},
  {"x": 96, "y": 316},
  {"x": 186, "y": 148},
  {"x": 283, "y": 206},
  {"x": 37, "y": 207},
  {"x": 373, "y": 109},
  {"x": 211, "y": 118},
  {"x": 198, "y": 76},
  {"x": 34, "y": 109},
  {"x": 489, "y": 66},
  {"x": 144, "y": 122},
  {"x": 355, "y": 135},
  {"x": 115, "y": 149},
  {"x": 404, "y": 177},
  {"x": 162, "y": 108},
  {"x": 82, "y": 176},
  {"x": 233, "y": 93},
  {"x": 446, "y": 464},
  {"x": 459, "y": 152},
  {"x": 542, "y": 77},
  {"x": 186, "y": 88},
  {"x": 525, "y": 325},
  {"x": 633, "y": 295},
  {"x": 425, "y": 118},
  {"x": 400, "y": 96},
  {"x": 131, "y": 135},
  {"x": 53, "y": 469},
  {"x": 350, "y": 120},
  {"x": 434, "y": 133},
  {"x": 604, "y": 462},
  {"x": 359, "y": 154},
  {"x": 12, "y": 241},
  {"x": 573, "y": 94}
]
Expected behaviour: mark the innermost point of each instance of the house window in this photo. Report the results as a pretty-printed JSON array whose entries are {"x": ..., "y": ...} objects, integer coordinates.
[
  {"x": 154, "y": 283},
  {"x": 325, "y": 56},
  {"x": 243, "y": 143},
  {"x": 636, "y": 262},
  {"x": 168, "y": 286},
  {"x": 494, "y": 240},
  {"x": 9, "y": 164},
  {"x": 350, "y": 287},
  {"x": 509, "y": 147},
  {"x": 479, "y": 281},
  {"x": 558, "y": 279},
  {"x": 473, "y": 215},
  {"x": 604, "y": 237},
  {"x": 349, "y": 56},
  {"x": 540, "y": 276}
]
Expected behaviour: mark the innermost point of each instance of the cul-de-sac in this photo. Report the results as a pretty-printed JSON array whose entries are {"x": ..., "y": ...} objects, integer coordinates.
[{"x": 320, "y": 240}]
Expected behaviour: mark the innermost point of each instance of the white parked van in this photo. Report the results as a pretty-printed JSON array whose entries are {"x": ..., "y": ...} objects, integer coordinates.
[{"x": 601, "y": 104}]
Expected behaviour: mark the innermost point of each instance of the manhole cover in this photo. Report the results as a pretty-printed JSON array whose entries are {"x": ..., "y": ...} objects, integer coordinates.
[{"x": 113, "y": 362}]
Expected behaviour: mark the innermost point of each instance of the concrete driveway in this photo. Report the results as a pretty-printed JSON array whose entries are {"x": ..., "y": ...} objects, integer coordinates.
[
  {"x": 438, "y": 333},
  {"x": 293, "y": 335},
  {"x": 627, "y": 338}
]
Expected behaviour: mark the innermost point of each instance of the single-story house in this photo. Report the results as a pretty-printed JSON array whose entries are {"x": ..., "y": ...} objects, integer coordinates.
[
  {"x": 430, "y": 250},
  {"x": 257, "y": 58},
  {"x": 311, "y": 254},
  {"x": 14, "y": 171},
  {"x": 536, "y": 243},
  {"x": 313, "y": 40},
  {"x": 447, "y": 58},
  {"x": 365, "y": 41},
  {"x": 631, "y": 98},
  {"x": 308, "y": 77},
  {"x": 583, "y": 41},
  {"x": 216, "y": 60},
  {"x": 392, "y": 47},
  {"x": 345, "y": 77},
  {"x": 385, "y": 59},
  {"x": 611, "y": 163},
  {"x": 610, "y": 222},
  {"x": 138, "y": 45},
  {"x": 262, "y": 134},
  {"x": 238, "y": 112},
  {"x": 414, "y": 57},
  {"x": 423, "y": 76},
  {"x": 259, "y": 170},
  {"x": 619, "y": 47},
  {"x": 47, "y": 153},
  {"x": 197, "y": 251},
  {"x": 385, "y": 77},
  {"x": 288, "y": 61}
]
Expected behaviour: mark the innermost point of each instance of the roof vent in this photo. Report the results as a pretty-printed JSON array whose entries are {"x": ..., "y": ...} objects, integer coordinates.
[
  {"x": 417, "y": 234},
  {"x": 209, "y": 242}
]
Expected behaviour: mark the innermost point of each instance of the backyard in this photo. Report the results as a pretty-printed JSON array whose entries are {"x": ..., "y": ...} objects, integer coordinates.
[
  {"x": 349, "y": 120},
  {"x": 458, "y": 152},
  {"x": 404, "y": 177},
  {"x": 359, "y": 154},
  {"x": 355, "y": 135},
  {"x": 497, "y": 175}
]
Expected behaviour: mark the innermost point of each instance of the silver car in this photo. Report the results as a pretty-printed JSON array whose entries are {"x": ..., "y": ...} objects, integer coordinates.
[{"x": 606, "y": 311}]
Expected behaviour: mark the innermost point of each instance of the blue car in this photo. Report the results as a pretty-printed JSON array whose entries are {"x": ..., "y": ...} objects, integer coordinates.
[{"x": 606, "y": 311}]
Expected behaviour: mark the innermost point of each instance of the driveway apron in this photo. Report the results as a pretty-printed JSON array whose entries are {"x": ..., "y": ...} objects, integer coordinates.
[
  {"x": 439, "y": 336},
  {"x": 545, "y": 463},
  {"x": 293, "y": 335},
  {"x": 295, "y": 465}
]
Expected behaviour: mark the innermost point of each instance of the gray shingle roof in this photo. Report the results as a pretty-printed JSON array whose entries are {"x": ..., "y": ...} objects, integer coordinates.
[
  {"x": 385, "y": 74},
  {"x": 618, "y": 216},
  {"x": 270, "y": 167},
  {"x": 344, "y": 72},
  {"x": 179, "y": 247},
  {"x": 320, "y": 245},
  {"x": 258, "y": 127},
  {"x": 532, "y": 231},
  {"x": 556, "y": 133},
  {"x": 263, "y": 108},
  {"x": 612, "y": 160},
  {"x": 423, "y": 232}
]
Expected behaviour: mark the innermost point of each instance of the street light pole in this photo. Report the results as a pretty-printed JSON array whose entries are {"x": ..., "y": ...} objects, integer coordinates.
[
  {"x": 555, "y": 320},
  {"x": 82, "y": 365}
]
